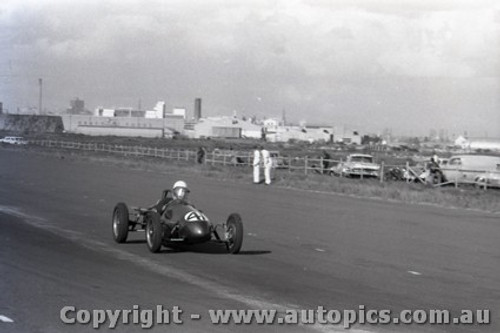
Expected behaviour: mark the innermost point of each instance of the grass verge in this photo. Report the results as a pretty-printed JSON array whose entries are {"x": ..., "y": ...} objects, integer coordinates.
[{"x": 463, "y": 197}]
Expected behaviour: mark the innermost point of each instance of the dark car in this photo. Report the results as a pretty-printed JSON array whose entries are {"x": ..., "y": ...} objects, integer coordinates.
[{"x": 180, "y": 222}]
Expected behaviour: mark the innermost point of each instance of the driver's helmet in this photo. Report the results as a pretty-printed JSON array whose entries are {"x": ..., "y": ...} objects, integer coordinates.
[{"x": 180, "y": 190}]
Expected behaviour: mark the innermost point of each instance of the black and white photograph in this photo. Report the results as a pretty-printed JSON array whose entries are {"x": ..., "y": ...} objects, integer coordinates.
[{"x": 207, "y": 166}]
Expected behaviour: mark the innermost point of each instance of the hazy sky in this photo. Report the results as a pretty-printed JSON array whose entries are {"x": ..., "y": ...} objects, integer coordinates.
[{"x": 409, "y": 65}]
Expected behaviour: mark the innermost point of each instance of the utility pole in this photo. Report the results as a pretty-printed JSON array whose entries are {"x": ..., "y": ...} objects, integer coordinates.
[{"x": 40, "y": 83}]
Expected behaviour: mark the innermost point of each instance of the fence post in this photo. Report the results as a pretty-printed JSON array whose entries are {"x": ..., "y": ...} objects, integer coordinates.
[
  {"x": 213, "y": 157},
  {"x": 305, "y": 164},
  {"x": 321, "y": 165},
  {"x": 408, "y": 171},
  {"x": 382, "y": 172}
]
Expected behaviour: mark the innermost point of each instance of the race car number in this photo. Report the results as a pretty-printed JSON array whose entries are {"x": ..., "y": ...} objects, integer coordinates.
[{"x": 195, "y": 216}]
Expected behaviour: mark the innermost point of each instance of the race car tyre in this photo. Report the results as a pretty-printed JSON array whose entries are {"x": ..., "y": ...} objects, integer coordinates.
[
  {"x": 234, "y": 233},
  {"x": 154, "y": 232},
  {"x": 120, "y": 223}
]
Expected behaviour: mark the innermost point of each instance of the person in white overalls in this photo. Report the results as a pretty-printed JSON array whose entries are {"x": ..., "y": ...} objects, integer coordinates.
[
  {"x": 256, "y": 165},
  {"x": 268, "y": 163}
]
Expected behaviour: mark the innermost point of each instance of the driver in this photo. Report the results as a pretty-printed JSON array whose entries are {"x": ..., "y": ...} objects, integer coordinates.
[{"x": 180, "y": 192}]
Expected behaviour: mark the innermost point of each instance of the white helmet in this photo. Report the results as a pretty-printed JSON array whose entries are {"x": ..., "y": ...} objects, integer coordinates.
[{"x": 180, "y": 190}]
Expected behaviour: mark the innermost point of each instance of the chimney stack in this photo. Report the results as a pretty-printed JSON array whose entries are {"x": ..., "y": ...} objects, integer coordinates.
[{"x": 197, "y": 109}]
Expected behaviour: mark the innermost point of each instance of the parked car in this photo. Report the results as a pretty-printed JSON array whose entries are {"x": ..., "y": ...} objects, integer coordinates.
[
  {"x": 469, "y": 168},
  {"x": 488, "y": 179},
  {"x": 357, "y": 165},
  {"x": 14, "y": 140}
]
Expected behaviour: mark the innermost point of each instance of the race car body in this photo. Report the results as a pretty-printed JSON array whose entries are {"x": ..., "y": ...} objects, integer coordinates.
[
  {"x": 178, "y": 222},
  {"x": 184, "y": 222}
]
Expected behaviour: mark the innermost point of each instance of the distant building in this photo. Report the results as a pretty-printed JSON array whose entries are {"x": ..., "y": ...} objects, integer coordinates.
[
  {"x": 158, "y": 111},
  {"x": 462, "y": 142},
  {"x": 477, "y": 143},
  {"x": 126, "y": 122},
  {"x": 347, "y": 136},
  {"x": 223, "y": 127},
  {"x": 77, "y": 106},
  {"x": 179, "y": 112}
]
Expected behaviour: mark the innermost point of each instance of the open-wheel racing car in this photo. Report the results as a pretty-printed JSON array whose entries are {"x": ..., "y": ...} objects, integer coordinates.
[{"x": 178, "y": 223}]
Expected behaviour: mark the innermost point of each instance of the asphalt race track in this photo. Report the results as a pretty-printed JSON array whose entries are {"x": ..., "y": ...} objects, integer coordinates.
[{"x": 301, "y": 250}]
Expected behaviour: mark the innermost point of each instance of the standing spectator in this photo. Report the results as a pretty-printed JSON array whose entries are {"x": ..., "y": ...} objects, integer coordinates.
[
  {"x": 435, "y": 159},
  {"x": 326, "y": 161},
  {"x": 435, "y": 173},
  {"x": 200, "y": 155},
  {"x": 256, "y": 165},
  {"x": 268, "y": 163}
]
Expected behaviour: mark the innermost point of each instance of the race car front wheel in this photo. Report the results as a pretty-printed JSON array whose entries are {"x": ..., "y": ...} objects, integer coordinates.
[
  {"x": 120, "y": 223},
  {"x": 154, "y": 232},
  {"x": 234, "y": 233}
]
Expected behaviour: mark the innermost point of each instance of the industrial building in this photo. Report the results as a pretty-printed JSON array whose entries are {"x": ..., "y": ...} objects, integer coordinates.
[
  {"x": 223, "y": 127},
  {"x": 477, "y": 143},
  {"x": 127, "y": 122}
]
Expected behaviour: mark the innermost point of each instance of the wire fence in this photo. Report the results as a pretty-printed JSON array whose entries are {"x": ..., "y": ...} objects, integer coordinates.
[{"x": 306, "y": 165}]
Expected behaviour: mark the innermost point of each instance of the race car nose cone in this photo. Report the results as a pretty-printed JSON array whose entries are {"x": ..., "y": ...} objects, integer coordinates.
[{"x": 196, "y": 231}]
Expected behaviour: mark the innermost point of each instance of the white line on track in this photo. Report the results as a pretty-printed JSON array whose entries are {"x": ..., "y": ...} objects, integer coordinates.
[
  {"x": 5, "y": 319},
  {"x": 218, "y": 289}
]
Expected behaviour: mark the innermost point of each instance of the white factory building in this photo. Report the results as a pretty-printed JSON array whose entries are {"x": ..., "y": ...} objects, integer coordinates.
[
  {"x": 224, "y": 127},
  {"x": 127, "y": 122},
  {"x": 477, "y": 143}
]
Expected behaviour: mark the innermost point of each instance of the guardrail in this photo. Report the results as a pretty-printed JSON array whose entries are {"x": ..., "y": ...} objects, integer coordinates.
[{"x": 305, "y": 164}]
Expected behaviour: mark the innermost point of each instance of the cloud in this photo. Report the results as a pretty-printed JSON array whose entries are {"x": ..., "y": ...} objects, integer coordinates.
[{"x": 316, "y": 55}]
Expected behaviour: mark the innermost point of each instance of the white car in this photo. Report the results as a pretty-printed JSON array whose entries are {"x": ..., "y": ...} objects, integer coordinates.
[
  {"x": 467, "y": 168},
  {"x": 357, "y": 165},
  {"x": 488, "y": 179},
  {"x": 14, "y": 140}
]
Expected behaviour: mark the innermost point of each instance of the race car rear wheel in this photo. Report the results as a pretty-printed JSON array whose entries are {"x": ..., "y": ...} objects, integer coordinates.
[
  {"x": 234, "y": 233},
  {"x": 154, "y": 232},
  {"x": 120, "y": 223}
]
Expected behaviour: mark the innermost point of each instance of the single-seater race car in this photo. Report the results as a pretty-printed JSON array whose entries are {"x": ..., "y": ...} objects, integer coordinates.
[{"x": 179, "y": 222}]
